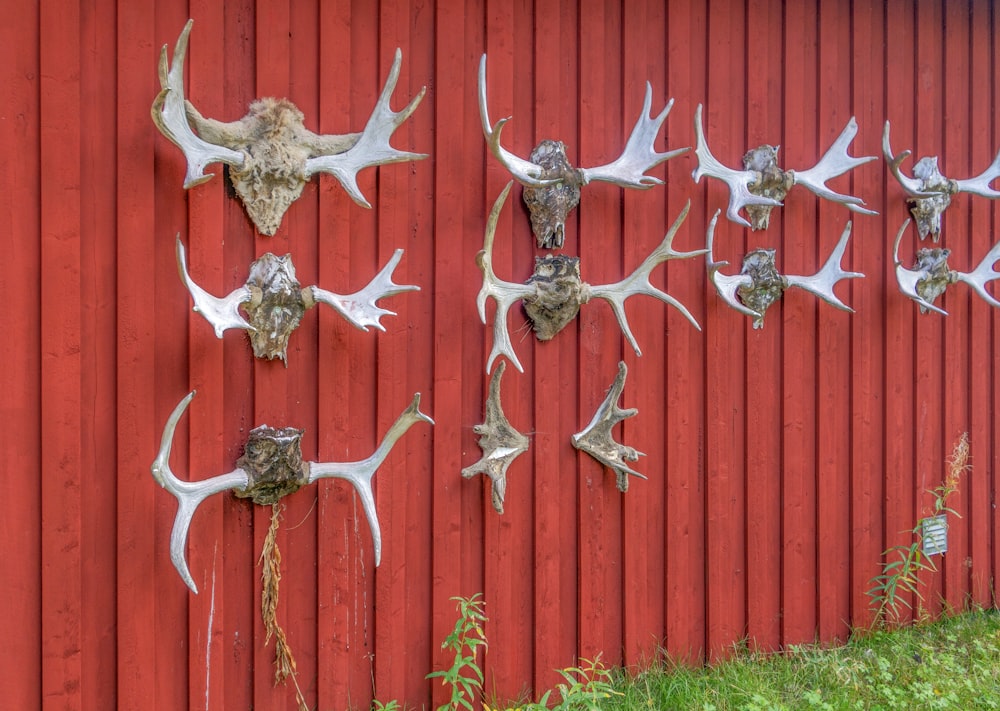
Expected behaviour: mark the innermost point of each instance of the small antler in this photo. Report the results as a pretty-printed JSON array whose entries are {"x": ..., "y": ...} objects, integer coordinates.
[
  {"x": 189, "y": 495},
  {"x": 822, "y": 282},
  {"x": 524, "y": 171},
  {"x": 739, "y": 181},
  {"x": 909, "y": 279},
  {"x": 221, "y": 313},
  {"x": 628, "y": 170},
  {"x": 360, "y": 473},
  {"x": 500, "y": 442},
  {"x": 360, "y": 308},
  {"x": 726, "y": 285},
  {"x": 913, "y": 186},
  {"x": 638, "y": 282},
  {"x": 596, "y": 440},
  {"x": 372, "y": 148},
  {"x": 983, "y": 274},
  {"x": 170, "y": 116},
  {"x": 834, "y": 162},
  {"x": 505, "y": 293}
]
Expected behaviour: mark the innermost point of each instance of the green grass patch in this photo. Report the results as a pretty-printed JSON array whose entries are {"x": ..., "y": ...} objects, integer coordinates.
[{"x": 950, "y": 664}]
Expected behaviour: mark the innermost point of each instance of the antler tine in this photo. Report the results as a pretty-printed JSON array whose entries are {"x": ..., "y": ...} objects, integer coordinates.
[
  {"x": 628, "y": 170},
  {"x": 980, "y": 185},
  {"x": 524, "y": 171},
  {"x": 834, "y": 162},
  {"x": 981, "y": 275},
  {"x": 372, "y": 148},
  {"x": 910, "y": 185},
  {"x": 221, "y": 313},
  {"x": 360, "y": 473},
  {"x": 170, "y": 116},
  {"x": 503, "y": 292},
  {"x": 638, "y": 282},
  {"x": 360, "y": 308},
  {"x": 822, "y": 282},
  {"x": 724, "y": 284},
  {"x": 737, "y": 180},
  {"x": 189, "y": 495},
  {"x": 908, "y": 278}
]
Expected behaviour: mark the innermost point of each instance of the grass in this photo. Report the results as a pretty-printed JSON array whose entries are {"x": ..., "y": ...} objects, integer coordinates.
[{"x": 950, "y": 664}]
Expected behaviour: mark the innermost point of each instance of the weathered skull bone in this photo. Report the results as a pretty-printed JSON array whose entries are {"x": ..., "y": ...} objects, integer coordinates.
[
  {"x": 774, "y": 183},
  {"x": 500, "y": 442},
  {"x": 559, "y": 293},
  {"x": 929, "y": 192},
  {"x": 596, "y": 440},
  {"x": 270, "y": 152},
  {"x": 271, "y": 467},
  {"x": 555, "y": 183},
  {"x": 549, "y": 206},
  {"x": 931, "y": 276},
  {"x": 761, "y": 182},
  {"x": 275, "y": 302},
  {"x": 759, "y": 284},
  {"x": 505, "y": 293}
]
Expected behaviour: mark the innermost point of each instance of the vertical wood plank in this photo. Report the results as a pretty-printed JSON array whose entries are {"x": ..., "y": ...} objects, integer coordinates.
[
  {"x": 763, "y": 351},
  {"x": 553, "y": 365},
  {"x": 60, "y": 400},
  {"x": 600, "y": 249},
  {"x": 684, "y": 423},
  {"x": 833, "y": 442},
  {"x": 869, "y": 298},
  {"x": 643, "y": 33},
  {"x": 901, "y": 313},
  {"x": 725, "y": 351},
  {"x": 799, "y": 343},
  {"x": 20, "y": 186},
  {"x": 929, "y": 346},
  {"x": 958, "y": 338}
]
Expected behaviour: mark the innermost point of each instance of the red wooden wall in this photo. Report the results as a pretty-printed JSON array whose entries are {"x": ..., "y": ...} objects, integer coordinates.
[{"x": 781, "y": 461}]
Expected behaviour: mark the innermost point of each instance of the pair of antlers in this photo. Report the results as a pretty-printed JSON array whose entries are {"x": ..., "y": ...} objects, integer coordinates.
[
  {"x": 506, "y": 293},
  {"x": 190, "y": 494}
]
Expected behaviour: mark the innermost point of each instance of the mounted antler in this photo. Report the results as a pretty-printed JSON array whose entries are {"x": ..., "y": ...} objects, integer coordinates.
[
  {"x": 931, "y": 275},
  {"x": 553, "y": 185},
  {"x": 930, "y": 192},
  {"x": 596, "y": 440},
  {"x": 500, "y": 442},
  {"x": 553, "y": 295},
  {"x": 759, "y": 284},
  {"x": 275, "y": 302},
  {"x": 762, "y": 185},
  {"x": 271, "y": 467},
  {"x": 270, "y": 152}
]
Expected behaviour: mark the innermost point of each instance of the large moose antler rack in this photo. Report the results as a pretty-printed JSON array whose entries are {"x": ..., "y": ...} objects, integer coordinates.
[
  {"x": 275, "y": 302},
  {"x": 554, "y": 294},
  {"x": 762, "y": 185},
  {"x": 931, "y": 275},
  {"x": 930, "y": 192},
  {"x": 552, "y": 185},
  {"x": 270, "y": 152},
  {"x": 759, "y": 284},
  {"x": 270, "y": 468}
]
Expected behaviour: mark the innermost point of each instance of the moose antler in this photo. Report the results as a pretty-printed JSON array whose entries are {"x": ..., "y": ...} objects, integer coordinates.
[
  {"x": 762, "y": 185},
  {"x": 930, "y": 192},
  {"x": 275, "y": 301},
  {"x": 360, "y": 473},
  {"x": 759, "y": 285},
  {"x": 638, "y": 282},
  {"x": 270, "y": 151},
  {"x": 243, "y": 481},
  {"x": 596, "y": 440},
  {"x": 551, "y": 307},
  {"x": 932, "y": 276},
  {"x": 552, "y": 184}
]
